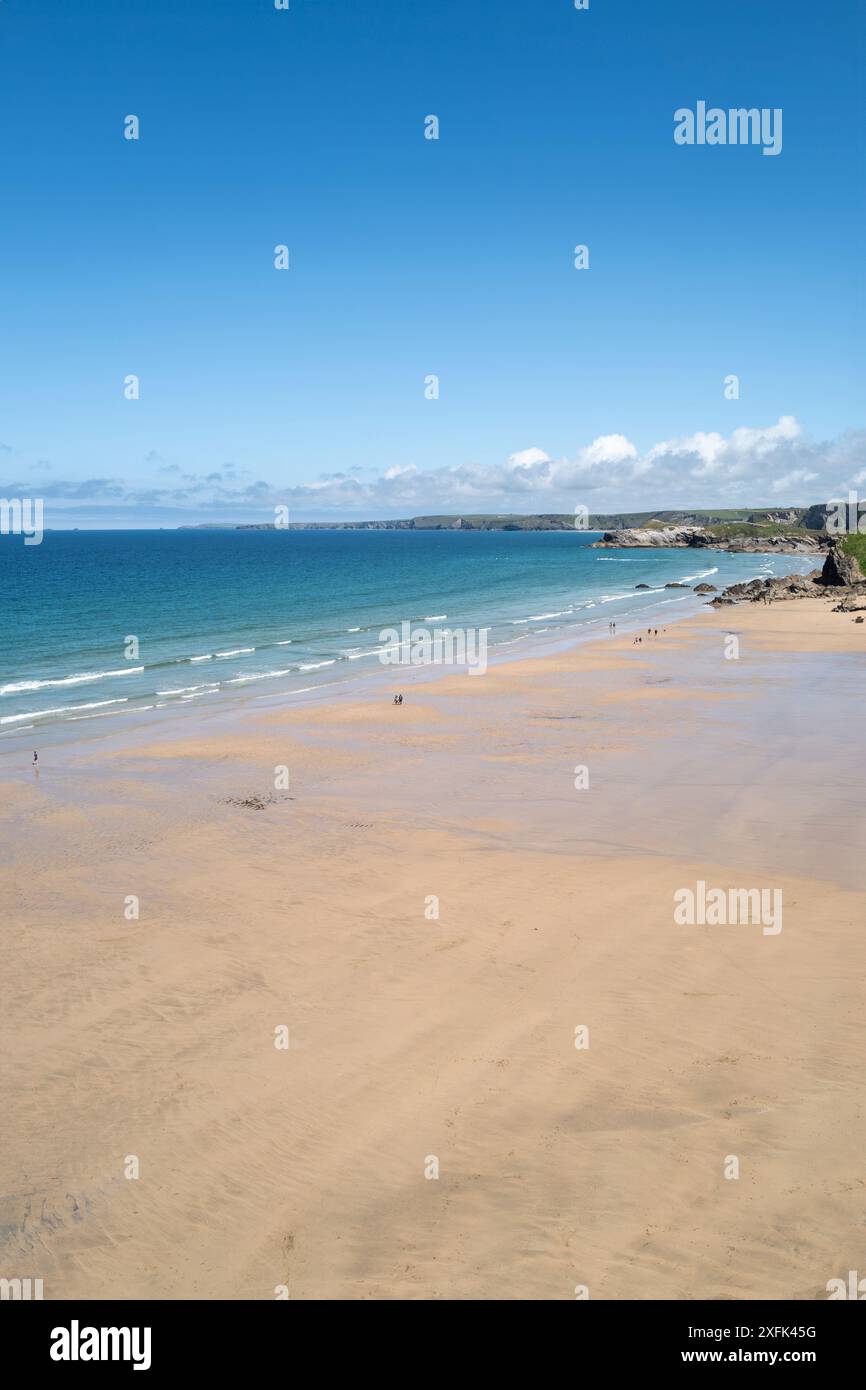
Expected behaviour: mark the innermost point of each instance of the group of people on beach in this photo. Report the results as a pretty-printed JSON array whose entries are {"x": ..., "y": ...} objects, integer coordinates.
[
  {"x": 650, "y": 632},
  {"x": 398, "y": 699}
]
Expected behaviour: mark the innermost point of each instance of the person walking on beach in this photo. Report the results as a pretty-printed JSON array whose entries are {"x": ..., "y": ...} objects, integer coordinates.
[{"x": 35, "y": 757}]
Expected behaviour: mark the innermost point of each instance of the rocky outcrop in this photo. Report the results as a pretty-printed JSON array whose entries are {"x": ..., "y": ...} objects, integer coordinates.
[
  {"x": 781, "y": 545},
  {"x": 787, "y": 586},
  {"x": 663, "y": 536},
  {"x": 852, "y": 597},
  {"x": 678, "y": 586},
  {"x": 789, "y": 517},
  {"x": 699, "y": 538},
  {"x": 839, "y": 568},
  {"x": 705, "y": 589}
]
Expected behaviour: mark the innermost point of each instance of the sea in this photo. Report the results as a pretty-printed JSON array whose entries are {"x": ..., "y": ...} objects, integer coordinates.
[{"x": 103, "y": 627}]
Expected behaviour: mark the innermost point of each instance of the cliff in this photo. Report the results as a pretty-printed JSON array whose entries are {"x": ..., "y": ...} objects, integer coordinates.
[{"x": 716, "y": 538}]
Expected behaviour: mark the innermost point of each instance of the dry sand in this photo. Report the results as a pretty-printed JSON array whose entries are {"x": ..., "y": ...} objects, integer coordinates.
[{"x": 413, "y": 1038}]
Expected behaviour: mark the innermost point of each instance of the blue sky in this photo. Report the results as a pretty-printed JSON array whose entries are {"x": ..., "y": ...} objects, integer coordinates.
[{"x": 411, "y": 257}]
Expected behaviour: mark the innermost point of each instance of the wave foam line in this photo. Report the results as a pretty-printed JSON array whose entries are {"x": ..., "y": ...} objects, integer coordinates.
[
  {"x": 15, "y": 687},
  {"x": 260, "y": 676},
  {"x": 186, "y": 689},
  {"x": 59, "y": 709}
]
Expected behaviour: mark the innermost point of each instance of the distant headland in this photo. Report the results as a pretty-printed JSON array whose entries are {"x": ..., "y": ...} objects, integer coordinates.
[{"x": 755, "y": 521}]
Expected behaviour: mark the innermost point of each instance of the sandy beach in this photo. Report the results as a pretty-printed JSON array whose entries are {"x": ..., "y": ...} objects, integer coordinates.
[{"x": 509, "y": 1072}]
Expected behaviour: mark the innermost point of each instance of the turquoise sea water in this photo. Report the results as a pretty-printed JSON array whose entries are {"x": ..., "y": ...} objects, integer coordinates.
[{"x": 228, "y": 615}]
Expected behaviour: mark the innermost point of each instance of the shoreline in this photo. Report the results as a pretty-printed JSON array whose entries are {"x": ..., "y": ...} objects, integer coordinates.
[{"x": 53, "y": 733}]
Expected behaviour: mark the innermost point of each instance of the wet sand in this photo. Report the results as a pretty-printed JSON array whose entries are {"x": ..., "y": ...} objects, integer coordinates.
[{"x": 415, "y": 1037}]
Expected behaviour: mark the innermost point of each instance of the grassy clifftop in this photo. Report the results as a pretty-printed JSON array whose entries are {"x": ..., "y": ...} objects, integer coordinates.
[
  {"x": 856, "y": 546},
  {"x": 727, "y": 530}
]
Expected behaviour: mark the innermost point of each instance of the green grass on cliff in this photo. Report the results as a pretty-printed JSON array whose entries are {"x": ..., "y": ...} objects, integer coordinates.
[
  {"x": 763, "y": 528},
  {"x": 856, "y": 546}
]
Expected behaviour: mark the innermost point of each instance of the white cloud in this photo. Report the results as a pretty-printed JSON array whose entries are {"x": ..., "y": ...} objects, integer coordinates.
[
  {"x": 398, "y": 472},
  {"x": 793, "y": 480},
  {"x": 528, "y": 457},
  {"x": 610, "y": 448}
]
